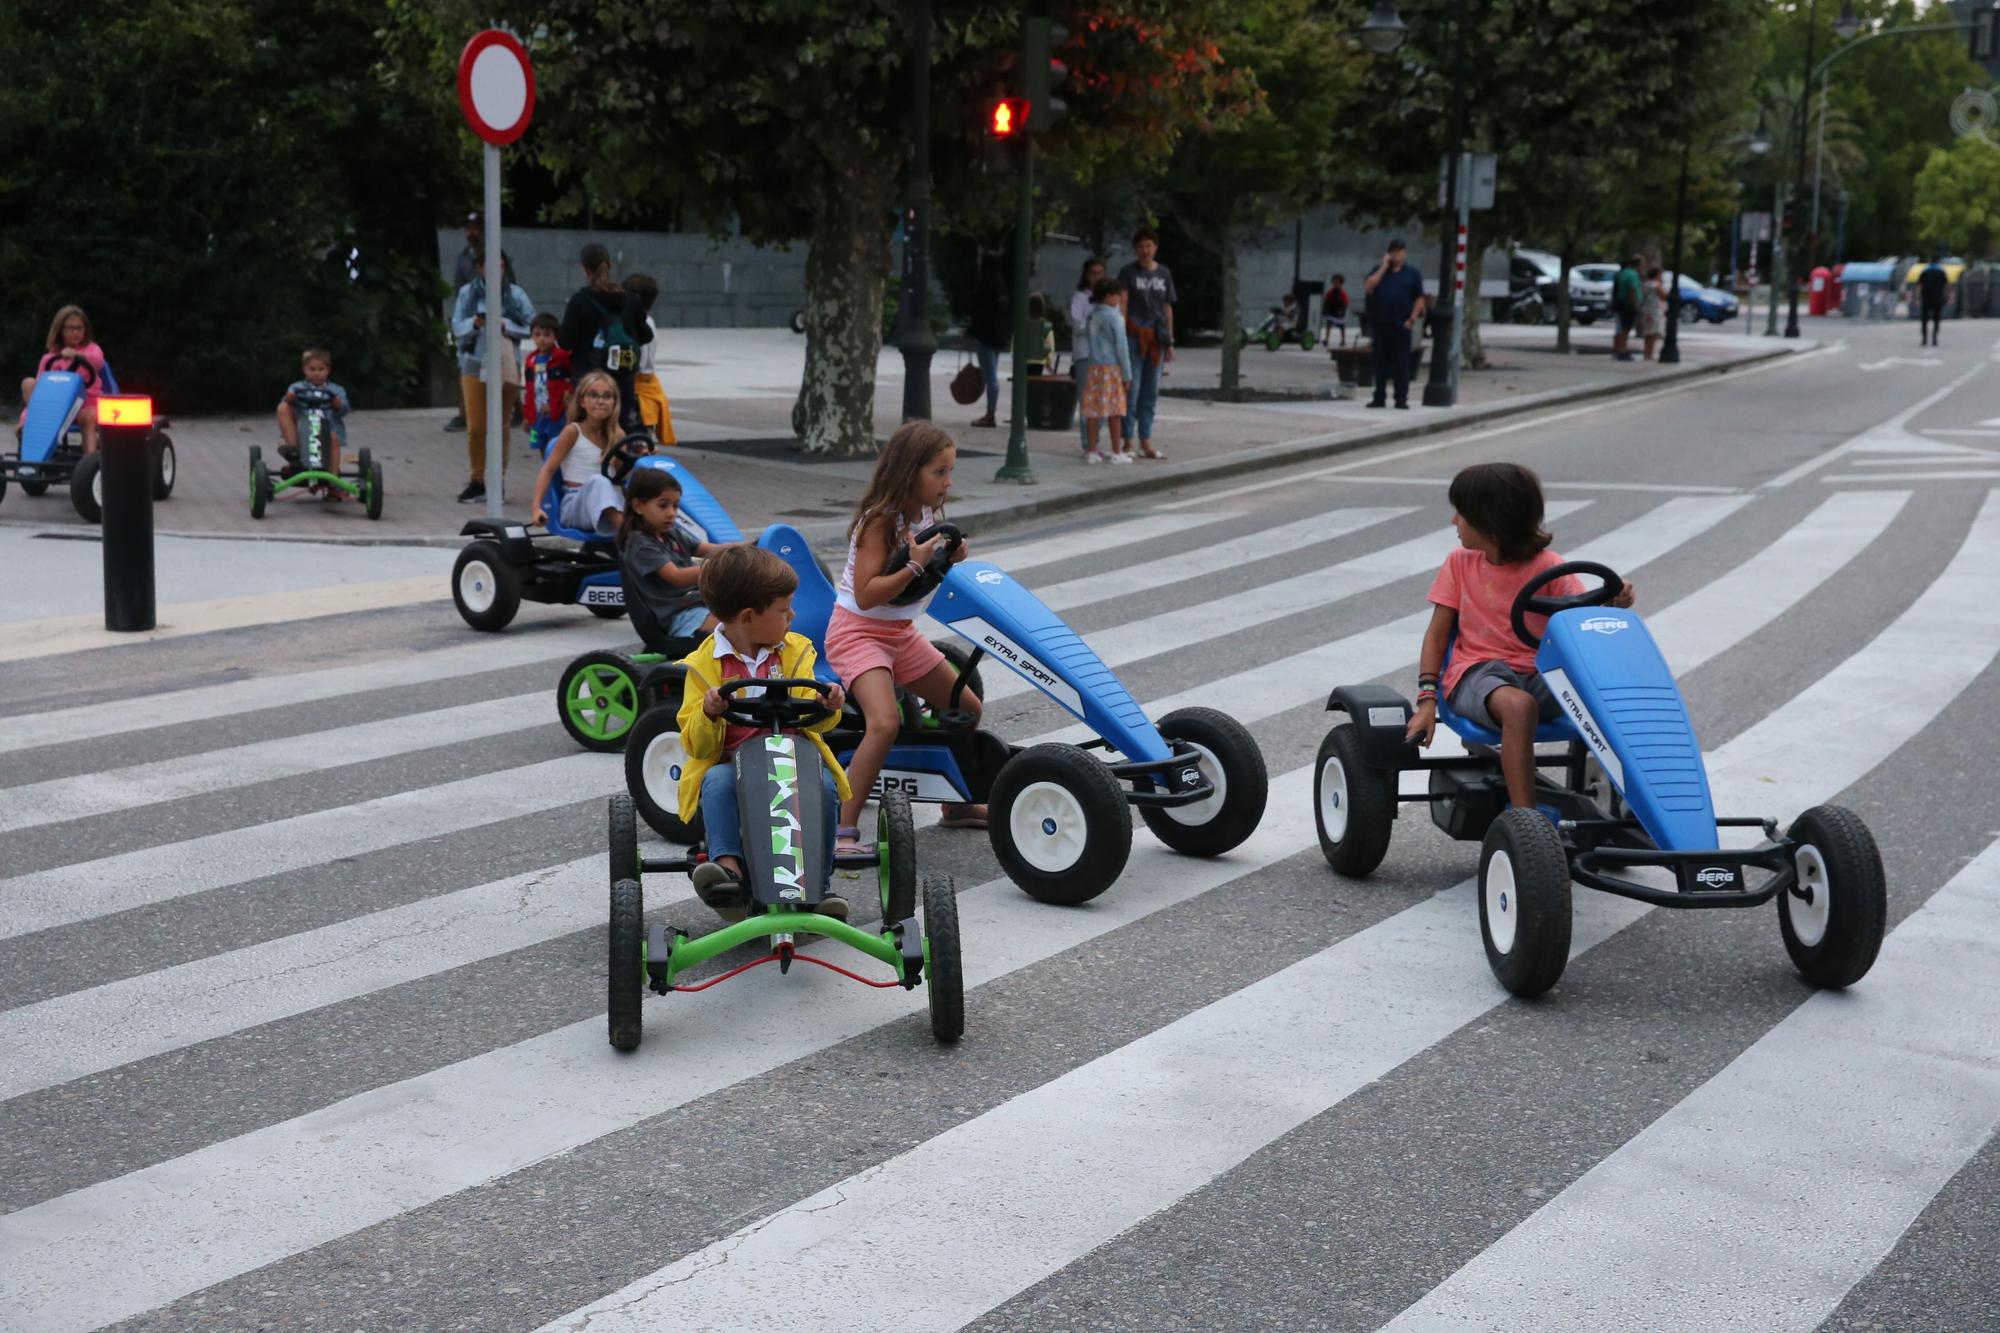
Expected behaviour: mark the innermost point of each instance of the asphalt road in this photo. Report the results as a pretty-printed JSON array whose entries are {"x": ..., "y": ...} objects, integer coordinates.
[{"x": 302, "y": 956}]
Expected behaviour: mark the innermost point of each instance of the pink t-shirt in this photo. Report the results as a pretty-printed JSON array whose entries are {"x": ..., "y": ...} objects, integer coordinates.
[
  {"x": 89, "y": 352},
  {"x": 1483, "y": 595}
]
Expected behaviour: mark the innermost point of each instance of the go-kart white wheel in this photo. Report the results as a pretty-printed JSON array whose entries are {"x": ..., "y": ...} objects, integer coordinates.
[
  {"x": 1229, "y": 759},
  {"x": 486, "y": 588},
  {"x": 1353, "y": 804},
  {"x": 654, "y": 761},
  {"x": 944, "y": 974},
  {"x": 1059, "y": 824},
  {"x": 86, "y": 489},
  {"x": 1833, "y": 918},
  {"x": 165, "y": 465},
  {"x": 1524, "y": 911},
  {"x": 626, "y": 974}
]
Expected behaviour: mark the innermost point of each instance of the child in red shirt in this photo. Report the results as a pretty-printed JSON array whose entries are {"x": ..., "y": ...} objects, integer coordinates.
[
  {"x": 547, "y": 372},
  {"x": 1491, "y": 680}
]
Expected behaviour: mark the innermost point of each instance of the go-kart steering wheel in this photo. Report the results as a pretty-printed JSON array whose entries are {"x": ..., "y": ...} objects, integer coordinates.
[
  {"x": 76, "y": 366},
  {"x": 620, "y": 457},
  {"x": 776, "y": 709},
  {"x": 1525, "y": 601},
  {"x": 926, "y": 583}
]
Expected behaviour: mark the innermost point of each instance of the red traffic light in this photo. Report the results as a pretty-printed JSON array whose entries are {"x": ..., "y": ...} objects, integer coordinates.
[{"x": 1008, "y": 118}]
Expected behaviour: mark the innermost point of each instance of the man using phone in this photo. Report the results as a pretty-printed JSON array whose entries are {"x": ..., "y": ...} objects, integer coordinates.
[{"x": 1395, "y": 303}]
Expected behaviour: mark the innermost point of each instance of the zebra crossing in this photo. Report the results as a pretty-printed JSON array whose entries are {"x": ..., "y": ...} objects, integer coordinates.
[{"x": 458, "y": 1146}]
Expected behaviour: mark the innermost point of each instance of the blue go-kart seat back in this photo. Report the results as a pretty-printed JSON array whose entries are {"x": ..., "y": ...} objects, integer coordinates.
[
  {"x": 812, "y": 604},
  {"x": 52, "y": 411}
]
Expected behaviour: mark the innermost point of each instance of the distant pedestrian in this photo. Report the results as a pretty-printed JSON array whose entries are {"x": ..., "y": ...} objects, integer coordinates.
[
  {"x": 477, "y": 353},
  {"x": 991, "y": 328},
  {"x": 1652, "y": 309},
  {"x": 1080, "y": 306},
  {"x": 1625, "y": 305},
  {"x": 547, "y": 375},
  {"x": 1396, "y": 302},
  {"x": 1933, "y": 284},
  {"x": 1333, "y": 310},
  {"x": 1149, "y": 325},
  {"x": 464, "y": 270},
  {"x": 603, "y": 328},
  {"x": 1108, "y": 389},
  {"x": 655, "y": 412}
]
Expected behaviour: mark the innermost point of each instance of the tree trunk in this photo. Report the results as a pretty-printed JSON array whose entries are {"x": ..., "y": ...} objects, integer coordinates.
[
  {"x": 1232, "y": 302},
  {"x": 846, "y": 270},
  {"x": 1472, "y": 348}
]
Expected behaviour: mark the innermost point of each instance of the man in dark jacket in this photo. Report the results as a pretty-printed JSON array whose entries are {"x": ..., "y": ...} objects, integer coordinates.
[
  {"x": 1396, "y": 302},
  {"x": 1933, "y": 286},
  {"x": 603, "y": 327},
  {"x": 991, "y": 328}
]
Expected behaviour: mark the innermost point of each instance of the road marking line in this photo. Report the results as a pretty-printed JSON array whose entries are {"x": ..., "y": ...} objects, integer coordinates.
[
  {"x": 1886, "y": 435},
  {"x": 1097, "y": 542},
  {"x": 1989, "y": 474}
]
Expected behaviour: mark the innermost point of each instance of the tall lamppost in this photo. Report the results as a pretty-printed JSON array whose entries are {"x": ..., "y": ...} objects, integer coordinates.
[
  {"x": 1382, "y": 33},
  {"x": 913, "y": 323},
  {"x": 1799, "y": 175},
  {"x": 1670, "y": 351}
]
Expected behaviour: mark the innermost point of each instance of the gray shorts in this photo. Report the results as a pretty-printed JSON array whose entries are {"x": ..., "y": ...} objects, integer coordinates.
[
  {"x": 1469, "y": 699},
  {"x": 584, "y": 506}
]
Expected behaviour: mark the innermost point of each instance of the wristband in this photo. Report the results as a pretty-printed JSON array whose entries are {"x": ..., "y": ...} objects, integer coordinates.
[{"x": 916, "y": 570}]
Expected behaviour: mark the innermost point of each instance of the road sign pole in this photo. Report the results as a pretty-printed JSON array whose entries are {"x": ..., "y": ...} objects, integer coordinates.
[{"x": 497, "y": 345}]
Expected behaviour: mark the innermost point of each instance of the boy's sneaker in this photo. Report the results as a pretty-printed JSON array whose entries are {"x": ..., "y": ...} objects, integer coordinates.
[
  {"x": 289, "y": 452},
  {"x": 832, "y": 905},
  {"x": 720, "y": 890},
  {"x": 474, "y": 490}
]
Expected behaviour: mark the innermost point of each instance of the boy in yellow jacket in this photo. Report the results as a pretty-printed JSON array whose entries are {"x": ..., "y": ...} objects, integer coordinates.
[{"x": 749, "y": 591}]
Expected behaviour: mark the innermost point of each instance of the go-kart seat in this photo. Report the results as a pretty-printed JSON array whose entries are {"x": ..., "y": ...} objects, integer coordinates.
[
  {"x": 812, "y": 604},
  {"x": 1558, "y": 731},
  {"x": 552, "y": 506}
]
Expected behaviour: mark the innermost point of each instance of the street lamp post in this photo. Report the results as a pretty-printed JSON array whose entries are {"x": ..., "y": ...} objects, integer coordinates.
[
  {"x": 1382, "y": 33},
  {"x": 913, "y": 324},
  {"x": 1798, "y": 250},
  {"x": 1670, "y": 351}
]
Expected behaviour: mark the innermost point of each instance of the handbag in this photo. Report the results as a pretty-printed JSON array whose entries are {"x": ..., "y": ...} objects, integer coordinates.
[{"x": 967, "y": 385}]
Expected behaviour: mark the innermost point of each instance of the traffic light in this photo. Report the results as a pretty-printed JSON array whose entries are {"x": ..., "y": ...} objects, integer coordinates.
[
  {"x": 1041, "y": 73},
  {"x": 1007, "y": 118}
]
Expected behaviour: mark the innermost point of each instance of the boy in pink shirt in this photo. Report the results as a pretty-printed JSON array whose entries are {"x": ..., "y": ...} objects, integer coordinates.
[{"x": 1497, "y": 509}]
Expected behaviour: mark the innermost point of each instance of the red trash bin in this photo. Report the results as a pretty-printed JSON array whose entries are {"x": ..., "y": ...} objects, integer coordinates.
[{"x": 1821, "y": 291}]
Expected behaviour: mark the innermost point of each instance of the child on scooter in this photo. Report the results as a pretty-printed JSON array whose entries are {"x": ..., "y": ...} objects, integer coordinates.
[
  {"x": 71, "y": 347},
  {"x": 317, "y": 365},
  {"x": 657, "y": 556},
  {"x": 1491, "y": 680},
  {"x": 593, "y": 502},
  {"x": 749, "y": 590},
  {"x": 547, "y": 372},
  {"x": 873, "y": 644}
]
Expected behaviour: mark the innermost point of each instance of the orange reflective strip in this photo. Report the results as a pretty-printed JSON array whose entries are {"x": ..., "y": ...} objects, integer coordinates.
[{"x": 125, "y": 410}]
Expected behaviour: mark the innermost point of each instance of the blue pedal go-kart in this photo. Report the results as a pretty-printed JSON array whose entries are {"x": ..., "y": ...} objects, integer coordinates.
[
  {"x": 778, "y": 780},
  {"x": 1633, "y": 793},
  {"x": 52, "y": 446},
  {"x": 310, "y": 471},
  {"x": 507, "y": 563},
  {"x": 1059, "y": 816}
]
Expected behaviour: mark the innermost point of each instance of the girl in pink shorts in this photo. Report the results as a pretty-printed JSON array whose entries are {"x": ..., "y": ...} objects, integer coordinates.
[{"x": 872, "y": 643}]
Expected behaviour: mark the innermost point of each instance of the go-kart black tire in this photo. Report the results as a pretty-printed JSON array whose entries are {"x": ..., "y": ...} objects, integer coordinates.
[
  {"x": 1524, "y": 912},
  {"x": 35, "y": 488},
  {"x": 653, "y": 757},
  {"x": 621, "y": 690},
  {"x": 260, "y": 483},
  {"x": 622, "y": 839},
  {"x": 626, "y": 988},
  {"x": 166, "y": 465},
  {"x": 896, "y": 839},
  {"x": 1063, "y": 794},
  {"x": 944, "y": 975},
  {"x": 486, "y": 588},
  {"x": 1834, "y": 938},
  {"x": 607, "y": 612},
  {"x": 86, "y": 489},
  {"x": 958, "y": 655},
  {"x": 374, "y": 484},
  {"x": 1234, "y": 764},
  {"x": 1353, "y": 804}
]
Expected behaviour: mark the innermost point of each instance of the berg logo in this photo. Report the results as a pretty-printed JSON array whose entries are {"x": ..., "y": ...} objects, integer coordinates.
[
  {"x": 1604, "y": 625},
  {"x": 989, "y": 576},
  {"x": 788, "y": 865},
  {"x": 1715, "y": 877}
]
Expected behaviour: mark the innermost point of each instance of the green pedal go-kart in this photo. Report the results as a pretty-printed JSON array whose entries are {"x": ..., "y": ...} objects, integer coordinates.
[
  {"x": 310, "y": 471},
  {"x": 778, "y": 785}
]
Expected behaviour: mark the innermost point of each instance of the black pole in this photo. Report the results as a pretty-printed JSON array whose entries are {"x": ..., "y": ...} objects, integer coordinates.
[
  {"x": 913, "y": 325},
  {"x": 1799, "y": 257},
  {"x": 1441, "y": 390},
  {"x": 1026, "y": 346},
  {"x": 1670, "y": 352},
  {"x": 126, "y": 473}
]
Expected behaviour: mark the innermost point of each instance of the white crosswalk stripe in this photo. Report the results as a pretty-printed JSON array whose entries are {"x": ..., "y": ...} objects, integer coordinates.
[{"x": 1220, "y": 1082}]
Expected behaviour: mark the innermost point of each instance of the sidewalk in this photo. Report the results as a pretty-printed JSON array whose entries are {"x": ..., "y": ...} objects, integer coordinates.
[{"x": 732, "y": 393}]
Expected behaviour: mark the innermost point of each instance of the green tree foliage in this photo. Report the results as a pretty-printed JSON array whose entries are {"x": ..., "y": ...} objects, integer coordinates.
[
  {"x": 1956, "y": 203},
  {"x": 219, "y": 184}
]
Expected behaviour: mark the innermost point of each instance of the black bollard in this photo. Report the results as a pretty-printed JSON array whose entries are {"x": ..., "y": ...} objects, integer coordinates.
[{"x": 124, "y": 432}]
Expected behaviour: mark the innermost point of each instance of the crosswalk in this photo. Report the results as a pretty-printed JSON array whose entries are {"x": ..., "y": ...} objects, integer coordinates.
[{"x": 421, "y": 1125}]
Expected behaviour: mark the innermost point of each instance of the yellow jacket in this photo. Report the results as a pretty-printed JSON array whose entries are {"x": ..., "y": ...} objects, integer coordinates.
[{"x": 702, "y": 736}]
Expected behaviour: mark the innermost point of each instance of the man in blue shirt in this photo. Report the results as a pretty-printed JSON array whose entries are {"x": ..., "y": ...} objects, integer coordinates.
[{"x": 1395, "y": 303}]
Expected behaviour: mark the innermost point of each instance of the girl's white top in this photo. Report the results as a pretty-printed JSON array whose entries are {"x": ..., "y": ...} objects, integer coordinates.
[
  {"x": 888, "y": 610},
  {"x": 583, "y": 461}
]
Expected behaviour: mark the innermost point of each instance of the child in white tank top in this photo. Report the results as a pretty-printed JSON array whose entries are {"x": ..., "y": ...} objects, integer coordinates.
[
  {"x": 593, "y": 501},
  {"x": 872, "y": 643}
]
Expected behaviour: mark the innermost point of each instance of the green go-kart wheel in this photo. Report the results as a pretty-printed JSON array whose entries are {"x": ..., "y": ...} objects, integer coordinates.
[{"x": 597, "y": 700}]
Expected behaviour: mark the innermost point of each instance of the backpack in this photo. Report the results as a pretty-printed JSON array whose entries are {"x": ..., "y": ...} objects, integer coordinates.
[{"x": 619, "y": 351}]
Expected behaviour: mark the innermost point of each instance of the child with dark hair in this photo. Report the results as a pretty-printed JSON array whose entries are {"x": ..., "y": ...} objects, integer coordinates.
[
  {"x": 1491, "y": 679},
  {"x": 749, "y": 591},
  {"x": 654, "y": 410},
  {"x": 547, "y": 370},
  {"x": 657, "y": 558}
]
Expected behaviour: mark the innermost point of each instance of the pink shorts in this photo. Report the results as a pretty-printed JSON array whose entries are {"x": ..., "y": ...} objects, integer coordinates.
[{"x": 855, "y": 644}]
